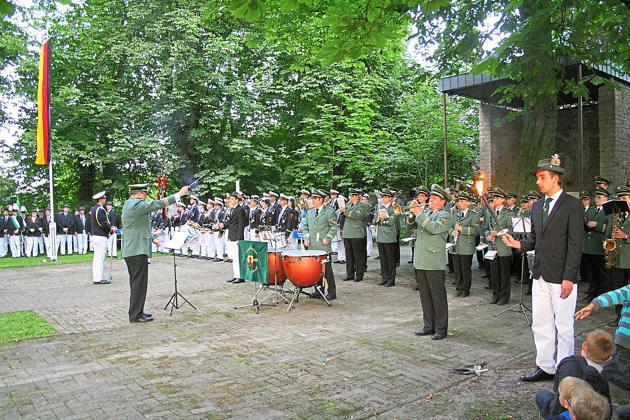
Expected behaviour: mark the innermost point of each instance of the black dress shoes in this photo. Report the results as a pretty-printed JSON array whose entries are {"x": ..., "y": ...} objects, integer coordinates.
[
  {"x": 148, "y": 315},
  {"x": 422, "y": 333},
  {"x": 358, "y": 280},
  {"x": 438, "y": 336},
  {"x": 143, "y": 318},
  {"x": 389, "y": 284},
  {"x": 231, "y": 280},
  {"x": 383, "y": 283},
  {"x": 348, "y": 279},
  {"x": 459, "y": 293},
  {"x": 502, "y": 302},
  {"x": 236, "y": 281},
  {"x": 537, "y": 375},
  {"x": 331, "y": 297}
]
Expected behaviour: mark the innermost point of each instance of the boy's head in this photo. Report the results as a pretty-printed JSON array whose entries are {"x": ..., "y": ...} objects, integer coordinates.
[
  {"x": 583, "y": 403},
  {"x": 598, "y": 346}
]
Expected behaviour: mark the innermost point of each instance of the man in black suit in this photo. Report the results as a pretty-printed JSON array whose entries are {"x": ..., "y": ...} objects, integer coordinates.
[
  {"x": 4, "y": 237},
  {"x": 236, "y": 232},
  {"x": 557, "y": 225},
  {"x": 65, "y": 230}
]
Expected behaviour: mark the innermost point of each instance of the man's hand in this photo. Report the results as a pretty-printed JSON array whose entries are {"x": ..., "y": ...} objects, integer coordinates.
[
  {"x": 307, "y": 243},
  {"x": 64, "y": 229},
  {"x": 508, "y": 240},
  {"x": 183, "y": 191},
  {"x": 157, "y": 242},
  {"x": 566, "y": 288},
  {"x": 492, "y": 238},
  {"x": 114, "y": 229},
  {"x": 591, "y": 224},
  {"x": 325, "y": 242},
  {"x": 221, "y": 226},
  {"x": 585, "y": 311},
  {"x": 620, "y": 234},
  {"x": 458, "y": 227}
]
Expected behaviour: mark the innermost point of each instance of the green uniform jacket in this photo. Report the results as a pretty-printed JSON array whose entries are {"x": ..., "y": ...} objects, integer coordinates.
[
  {"x": 623, "y": 245},
  {"x": 356, "y": 220},
  {"x": 470, "y": 229},
  {"x": 386, "y": 229},
  {"x": 505, "y": 222},
  {"x": 136, "y": 220},
  {"x": 594, "y": 238},
  {"x": 324, "y": 226},
  {"x": 431, "y": 236}
]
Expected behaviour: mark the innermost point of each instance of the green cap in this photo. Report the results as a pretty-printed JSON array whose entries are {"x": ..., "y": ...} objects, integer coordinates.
[
  {"x": 139, "y": 187},
  {"x": 623, "y": 190},
  {"x": 584, "y": 194},
  {"x": 318, "y": 193},
  {"x": 422, "y": 189},
  {"x": 510, "y": 194},
  {"x": 356, "y": 191},
  {"x": 553, "y": 164},
  {"x": 524, "y": 198},
  {"x": 601, "y": 180},
  {"x": 533, "y": 195},
  {"x": 463, "y": 195},
  {"x": 439, "y": 191},
  {"x": 387, "y": 192},
  {"x": 601, "y": 191},
  {"x": 498, "y": 192}
]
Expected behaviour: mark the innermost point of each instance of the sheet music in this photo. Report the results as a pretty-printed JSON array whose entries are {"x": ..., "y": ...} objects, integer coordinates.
[
  {"x": 481, "y": 247},
  {"x": 521, "y": 225},
  {"x": 490, "y": 255},
  {"x": 177, "y": 241}
]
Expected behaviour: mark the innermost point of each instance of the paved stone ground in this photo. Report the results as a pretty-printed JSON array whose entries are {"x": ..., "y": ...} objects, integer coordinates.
[{"x": 358, "y": 359}]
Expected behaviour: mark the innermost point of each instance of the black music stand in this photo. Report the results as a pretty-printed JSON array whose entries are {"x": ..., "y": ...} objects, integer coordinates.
[
  {"x": 520, "y": 306},
  {"x": 176, "y": 243}
]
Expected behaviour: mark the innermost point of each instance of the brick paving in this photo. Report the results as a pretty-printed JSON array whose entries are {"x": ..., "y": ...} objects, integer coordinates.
[{"x": 357, "y": 359}]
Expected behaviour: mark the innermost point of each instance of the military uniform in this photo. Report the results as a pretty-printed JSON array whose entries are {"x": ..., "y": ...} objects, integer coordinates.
[
  {"x": 112, "y": 241},
  {"x": 101, "y": 228},
  {"x": 320, "y": 225},
  {"x": 65, "y": 230},
  {"x": 4, "y": 243},
  {"x": 592, "y": 266},
  {"x": 354, "y": 237},
  {"x": 137, "y": 246},
  {"x": 464, "y": 248},
  {"x": 386, "y": 240},
  {"x": 429, "y": 264},
  {"x": 500, "y": 267},
  {"x": 620, "y": 272}
]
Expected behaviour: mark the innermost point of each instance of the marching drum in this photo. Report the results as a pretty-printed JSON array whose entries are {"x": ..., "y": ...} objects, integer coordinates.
[
  {"x": 275, "y": 269},
  {"x": 303, "y": 267}
]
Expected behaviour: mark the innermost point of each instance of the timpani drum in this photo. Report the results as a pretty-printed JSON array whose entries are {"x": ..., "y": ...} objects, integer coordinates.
[{"x": 304, "y": 267}]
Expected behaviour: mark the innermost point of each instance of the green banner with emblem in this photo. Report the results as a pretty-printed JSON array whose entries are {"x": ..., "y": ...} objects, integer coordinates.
[{"x": 252, "y": 258}]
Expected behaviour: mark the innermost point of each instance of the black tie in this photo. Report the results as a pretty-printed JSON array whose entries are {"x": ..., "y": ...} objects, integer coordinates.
[{"x": 316, "y": 212}]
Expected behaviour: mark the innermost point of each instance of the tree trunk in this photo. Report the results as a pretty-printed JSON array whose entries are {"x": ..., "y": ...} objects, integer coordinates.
[{"x": 541, "y": 78}]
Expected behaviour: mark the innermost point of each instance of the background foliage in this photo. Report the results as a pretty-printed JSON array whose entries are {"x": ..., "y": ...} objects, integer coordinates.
[{"x": 190, "y": 89}]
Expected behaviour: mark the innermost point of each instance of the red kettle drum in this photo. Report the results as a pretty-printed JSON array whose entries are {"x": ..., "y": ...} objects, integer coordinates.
[
  {"x": 275, "y": 269},
  {"x": 303, "y": 267}
]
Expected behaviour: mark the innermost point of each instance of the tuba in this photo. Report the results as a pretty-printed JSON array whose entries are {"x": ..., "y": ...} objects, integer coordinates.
[{"x": 611, "y": 246}]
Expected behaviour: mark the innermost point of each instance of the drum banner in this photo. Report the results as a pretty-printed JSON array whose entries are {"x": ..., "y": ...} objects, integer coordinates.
[{"x": 252, "y": 257}]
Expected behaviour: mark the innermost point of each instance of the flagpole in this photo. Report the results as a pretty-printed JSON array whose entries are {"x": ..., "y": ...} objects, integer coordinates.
[{"x": 52, "y": 231}]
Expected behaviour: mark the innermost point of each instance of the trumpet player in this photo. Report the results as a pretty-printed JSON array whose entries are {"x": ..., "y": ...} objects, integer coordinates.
[
  {"x": 253, "y": 218},
  {"x": 217, "y": 215},
  {"x": 465, "y": 229},
  {"x": 206, "y": 238},
  {"x": 500, "y": 266},
  {"x": 592, "y": 267},
  {"x": 620, "y": 272},
  {"x": 386, "y": 221}
]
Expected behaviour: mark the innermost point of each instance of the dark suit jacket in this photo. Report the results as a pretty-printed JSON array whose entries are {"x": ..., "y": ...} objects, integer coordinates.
[
  {"x": 236, "y": 224},
  {"x": 558, "y": 244},
  {"x": 65, "y": 221}
]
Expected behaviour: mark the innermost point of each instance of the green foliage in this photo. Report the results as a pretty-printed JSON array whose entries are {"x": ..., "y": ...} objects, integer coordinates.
[{"x": 19, "y": 325}]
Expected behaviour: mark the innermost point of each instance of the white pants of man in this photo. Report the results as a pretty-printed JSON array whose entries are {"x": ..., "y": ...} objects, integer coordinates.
[
  {"x": 4, "y": 246},
  {"x": 31, "y": 246},
  {"x": 247, "y": 234},
  {"x": 218, "y": 246},
  {"x": 75, "y": 243},
  {"x": 64, "y": 240},
  {"x": 90, "y": 241},
  {"x": 195, "y": 246},
  {"x": 14, "y": 243},
  {"x": 207, "y": 245},
  {"x": 100, "y": 249},
  {"x": 552, "y": 319},
  {"x": 112, "y": 245},
  {"x": 232, "y": 250},
  {"x": 370, "y": 241},
  {"x": 82, "y": 243},
  {"x": 41, "y": 248},
  {"x": 341, "y": 251}
]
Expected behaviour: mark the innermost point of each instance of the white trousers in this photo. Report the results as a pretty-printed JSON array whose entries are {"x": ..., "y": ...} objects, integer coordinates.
[
  {"x": 341, "y": 251},
  {"x": 48, "y": 246},
  {"x": 112, "y": 245},
  {"x": 370, "y": 241},
  {"x": 552, "y": 324},
  {"x": 232, "y": 250},
  {"x": 31, "y": 246},
  {"x": 4, "y": 246},
  {"x": 194, "y": 245},
  {"x": 63, "y": 240},
  {"x": 41, "y": 249},
  {"x": 14, "y": 243},
  {"x": 100, "y": 249},
  {"x": 75, "y": 243},
  {"x": 90, "y": 241},
  {"x": 207, "y": 245},
  {"x": 218, "y": 246},
  {"x": 82, "y": 244}
]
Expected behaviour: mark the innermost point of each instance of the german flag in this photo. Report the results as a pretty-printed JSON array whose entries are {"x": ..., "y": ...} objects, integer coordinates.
[{"x": 43, "y": 107}]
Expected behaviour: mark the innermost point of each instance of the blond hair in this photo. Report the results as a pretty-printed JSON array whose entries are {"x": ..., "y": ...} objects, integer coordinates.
[{"x": 600, "y": 346}]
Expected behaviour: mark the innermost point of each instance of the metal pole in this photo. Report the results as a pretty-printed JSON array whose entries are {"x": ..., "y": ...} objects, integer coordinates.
[
  {"x": 445, "y": 142},
  {"x": 581, "y": 133},
  {"x": 52, "y": 228}
]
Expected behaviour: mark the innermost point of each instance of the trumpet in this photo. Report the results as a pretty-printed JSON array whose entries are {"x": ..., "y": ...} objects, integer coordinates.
[{"x": 197, "y": 227}]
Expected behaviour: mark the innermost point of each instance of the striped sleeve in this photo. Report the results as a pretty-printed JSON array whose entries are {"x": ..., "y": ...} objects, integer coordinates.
[{"x": 612, "y": 298}]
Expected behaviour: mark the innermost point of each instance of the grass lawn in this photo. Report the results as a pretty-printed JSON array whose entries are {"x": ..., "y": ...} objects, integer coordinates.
[
  {"x": 8, "y": 262},
  {"x": 19, "y": 325}
]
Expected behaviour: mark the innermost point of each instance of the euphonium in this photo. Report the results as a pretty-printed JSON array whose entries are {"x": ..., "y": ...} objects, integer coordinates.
[{"x": 610, "y": 245}]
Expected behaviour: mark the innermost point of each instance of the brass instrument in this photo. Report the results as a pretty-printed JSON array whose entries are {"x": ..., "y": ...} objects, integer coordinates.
[
  {"x": 197, "y": 227},
  {"x": 611, "y": 246}
]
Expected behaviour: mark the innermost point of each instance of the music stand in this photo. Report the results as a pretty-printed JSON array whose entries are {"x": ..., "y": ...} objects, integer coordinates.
[
  {"x": 524, "y": 226},
  {"x": 176, "y": 243}
]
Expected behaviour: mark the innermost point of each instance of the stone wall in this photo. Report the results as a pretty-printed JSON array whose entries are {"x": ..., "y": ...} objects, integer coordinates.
[{"x": 614, "y": 133}]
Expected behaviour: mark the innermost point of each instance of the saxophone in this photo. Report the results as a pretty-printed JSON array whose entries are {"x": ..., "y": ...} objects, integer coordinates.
[{"x": 611, "y": 246}]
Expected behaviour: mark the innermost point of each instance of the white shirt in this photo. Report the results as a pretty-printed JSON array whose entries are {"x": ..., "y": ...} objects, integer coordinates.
[{"x": 554, "y": 200}]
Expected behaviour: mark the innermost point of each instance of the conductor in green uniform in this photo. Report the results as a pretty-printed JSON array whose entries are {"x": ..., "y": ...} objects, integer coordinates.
[
  {"x": 429, "y": 261},
  {"x": 137, "y": 239},
  {"x": 319, "y": 230}
]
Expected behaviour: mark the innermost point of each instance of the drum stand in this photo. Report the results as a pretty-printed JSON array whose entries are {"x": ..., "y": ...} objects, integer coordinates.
[
  {"x": 255, "y": 303},
  {"x": 299, "y": 289},
  {"x": 522, "y": 308},
  {"x": 173, "y": 301}
]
